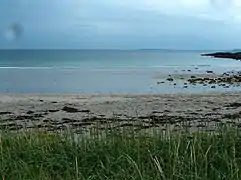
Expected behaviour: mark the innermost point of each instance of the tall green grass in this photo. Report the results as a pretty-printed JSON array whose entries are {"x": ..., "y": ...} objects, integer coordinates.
[{"x": 40, "y": 155}]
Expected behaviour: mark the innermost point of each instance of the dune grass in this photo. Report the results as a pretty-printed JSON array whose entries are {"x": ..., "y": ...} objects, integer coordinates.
[{"x": 41, "y": 155}]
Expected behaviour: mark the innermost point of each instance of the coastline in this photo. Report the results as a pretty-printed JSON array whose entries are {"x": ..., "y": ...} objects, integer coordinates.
[
  {"x": 53, "y": 130},
  {"x": 83, "y": 112}
]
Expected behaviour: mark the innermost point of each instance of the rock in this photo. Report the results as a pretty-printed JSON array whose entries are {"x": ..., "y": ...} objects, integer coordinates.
[
  {"x": 85, "y": 111},
  {"x": 155, "y": 112},
  {"x": 170, "y": 79},
  {"x": 3, "y": 113},
  {"x": 189, "y": 70},
  {"x": 185, "y": 87},
  {"x": 93, "y": 119},
  {"x": 37, "y": 115},
  {"x": 212, "y": 81},
  {"x": 228, "y": 55},
  {"x": 234, "y": 80},
  {"x": 206, "y": 79},
  {"x": 209, "y": 72},
  {"x": 225, "y": 74},
  {"x": 213, "y": 87},
  {"x": 235, "y": 104},
  {"x": 237, "y": 79},
  {"x": 46, "y": 120},
  {"x": 22, "y": 117},
  {"x": 161, "y": 82},
  {"x": 53, "y": 110},
  {"x": 232, "y": 116},
  {"x": 192, "y": 80},
  {"x": 30, "y": 112},
  {"x": 70, "y": 109},
  {"x": 68, "y": 120}
]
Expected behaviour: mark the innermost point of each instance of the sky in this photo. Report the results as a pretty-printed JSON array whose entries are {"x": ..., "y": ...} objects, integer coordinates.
[{"x": 125, "y": 24}]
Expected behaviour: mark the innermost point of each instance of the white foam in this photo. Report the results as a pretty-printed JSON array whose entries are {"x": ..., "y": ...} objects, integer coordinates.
[{"x": 8, "y": 67}]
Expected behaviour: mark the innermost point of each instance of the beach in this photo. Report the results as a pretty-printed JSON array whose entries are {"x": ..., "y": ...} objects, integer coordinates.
[
  {"x": 119, "y": 115},
  {"x": 118, "y": 90},
  {"x": 83, "y": 112}
]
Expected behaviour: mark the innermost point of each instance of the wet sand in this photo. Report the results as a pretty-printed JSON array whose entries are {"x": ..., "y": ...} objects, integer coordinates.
[{"x": 82, "y": 112}]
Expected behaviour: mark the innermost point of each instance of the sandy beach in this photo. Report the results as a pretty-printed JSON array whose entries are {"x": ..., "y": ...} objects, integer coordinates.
[{"x": 82, "y": 112}]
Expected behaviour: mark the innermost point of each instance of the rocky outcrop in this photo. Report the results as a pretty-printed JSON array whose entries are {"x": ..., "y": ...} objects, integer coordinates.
[{"x": 228, "y": 55}]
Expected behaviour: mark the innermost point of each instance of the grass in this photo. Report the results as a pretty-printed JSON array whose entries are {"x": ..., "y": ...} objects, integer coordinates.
[{"x": 41, "y": 155}]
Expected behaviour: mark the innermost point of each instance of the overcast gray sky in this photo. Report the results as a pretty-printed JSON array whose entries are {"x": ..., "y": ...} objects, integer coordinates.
[{"x": 125, "y": 24}]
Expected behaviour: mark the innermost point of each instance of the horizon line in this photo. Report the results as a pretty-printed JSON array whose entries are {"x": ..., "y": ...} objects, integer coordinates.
[{"x": 115, "y": 49}]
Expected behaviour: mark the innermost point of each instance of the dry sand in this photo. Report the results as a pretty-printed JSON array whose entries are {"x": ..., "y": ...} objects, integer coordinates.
[{"x": 82, "y": 112}]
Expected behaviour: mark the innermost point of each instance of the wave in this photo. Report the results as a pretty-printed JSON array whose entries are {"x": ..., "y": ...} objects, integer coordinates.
[
  {"x": 86, "y": 67},
  {"x": 90, "y": 67},
  {"x": 106, "y": 68},
  {"x": 13, "y": 67},
  {"x": 202, "y": 65}
]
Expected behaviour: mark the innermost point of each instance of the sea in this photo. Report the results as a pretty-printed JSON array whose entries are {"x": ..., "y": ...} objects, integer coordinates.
[{"x": 105, "y": 71}]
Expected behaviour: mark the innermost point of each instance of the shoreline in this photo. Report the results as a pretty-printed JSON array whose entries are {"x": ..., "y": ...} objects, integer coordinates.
[
  {"x": 131, "y": 82},
  {"x": 116, "y": 94},
  {"x": 81, "y": 112}
]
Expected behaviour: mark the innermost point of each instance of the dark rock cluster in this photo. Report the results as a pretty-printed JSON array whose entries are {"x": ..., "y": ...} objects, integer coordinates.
[
  {"x": 228, "y": 55},
  {"x": 224, "y": 80}
]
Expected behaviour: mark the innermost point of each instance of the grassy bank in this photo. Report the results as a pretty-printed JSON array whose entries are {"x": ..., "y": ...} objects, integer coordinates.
[{"x": 40, "y": 155}]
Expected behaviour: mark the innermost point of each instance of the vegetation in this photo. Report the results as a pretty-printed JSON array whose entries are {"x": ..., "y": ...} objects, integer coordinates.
[{"x": 43, "y": 155}]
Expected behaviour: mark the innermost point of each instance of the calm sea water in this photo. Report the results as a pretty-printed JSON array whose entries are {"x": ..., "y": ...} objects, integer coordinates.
[{"x": 102, "y": 71}]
